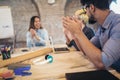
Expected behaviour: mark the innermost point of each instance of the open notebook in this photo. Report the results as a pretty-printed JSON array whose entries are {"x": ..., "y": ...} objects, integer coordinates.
[{"x": 91, "y": 75}]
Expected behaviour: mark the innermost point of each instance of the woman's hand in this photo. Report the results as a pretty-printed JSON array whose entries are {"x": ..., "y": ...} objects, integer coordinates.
[{"x": 34, "y": 34}]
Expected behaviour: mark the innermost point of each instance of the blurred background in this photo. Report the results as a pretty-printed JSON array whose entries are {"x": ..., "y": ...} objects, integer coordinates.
[{"x": 50, "y": 11}]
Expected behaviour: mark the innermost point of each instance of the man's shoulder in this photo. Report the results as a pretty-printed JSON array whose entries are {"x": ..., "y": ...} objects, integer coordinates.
[{"x": 115, "y": 17}]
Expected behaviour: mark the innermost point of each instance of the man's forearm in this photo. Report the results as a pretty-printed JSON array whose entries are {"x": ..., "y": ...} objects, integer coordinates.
[
  {"x": 92, "y": 52},
  {"x": 78, "y": 45}
]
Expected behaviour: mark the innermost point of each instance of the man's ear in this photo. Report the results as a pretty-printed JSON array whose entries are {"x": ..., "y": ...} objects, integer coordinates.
[{"x": 92, "y": 7}]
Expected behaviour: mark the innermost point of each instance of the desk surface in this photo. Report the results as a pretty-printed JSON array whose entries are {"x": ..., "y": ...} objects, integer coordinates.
[{"x": 62, "y": 63}]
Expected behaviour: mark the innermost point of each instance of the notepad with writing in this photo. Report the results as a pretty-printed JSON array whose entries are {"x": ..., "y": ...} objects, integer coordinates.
[{"x": 91, "y": 75}]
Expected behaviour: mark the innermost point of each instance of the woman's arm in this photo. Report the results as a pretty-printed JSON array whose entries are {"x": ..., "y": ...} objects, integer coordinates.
[{"x": 34, "y": 34}]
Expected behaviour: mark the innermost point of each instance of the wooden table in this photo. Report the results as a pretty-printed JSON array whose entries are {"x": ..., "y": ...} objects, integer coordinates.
[
  {"x": 62, "y": 63},
  {"x": 73, "y": 61}
]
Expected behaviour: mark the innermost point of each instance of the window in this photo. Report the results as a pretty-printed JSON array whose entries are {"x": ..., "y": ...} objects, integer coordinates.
[{"x": 115, "y": 5}]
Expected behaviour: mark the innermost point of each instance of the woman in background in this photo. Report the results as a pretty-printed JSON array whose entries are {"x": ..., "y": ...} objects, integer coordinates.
[{"x": 36, "y": 35}]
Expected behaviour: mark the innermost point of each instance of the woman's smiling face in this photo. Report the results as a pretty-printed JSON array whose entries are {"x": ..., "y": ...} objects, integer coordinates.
[{"x": 37, "y": 23}]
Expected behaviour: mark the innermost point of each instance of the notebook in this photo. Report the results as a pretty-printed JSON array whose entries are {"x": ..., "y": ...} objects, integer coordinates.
[{"x": 91, "y": 75}]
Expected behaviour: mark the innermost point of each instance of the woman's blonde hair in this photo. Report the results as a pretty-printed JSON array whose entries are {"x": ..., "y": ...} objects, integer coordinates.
[{"x": 81, "y": 14}]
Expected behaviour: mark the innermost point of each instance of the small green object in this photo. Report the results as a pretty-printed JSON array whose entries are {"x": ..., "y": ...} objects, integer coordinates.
[{"x": 50, "y": 57}]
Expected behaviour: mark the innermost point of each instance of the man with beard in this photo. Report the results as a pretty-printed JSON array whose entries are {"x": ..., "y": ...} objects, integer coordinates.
[{"x": 103, "y": 50}]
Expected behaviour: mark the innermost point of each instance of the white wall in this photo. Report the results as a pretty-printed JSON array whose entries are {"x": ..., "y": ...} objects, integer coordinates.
[
  {"x": 6, "y": 25},
  {"x": 115, "y": 6}
]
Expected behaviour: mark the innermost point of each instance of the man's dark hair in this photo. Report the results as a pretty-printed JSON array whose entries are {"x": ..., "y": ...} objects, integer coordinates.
[{"x": 101, "y": 4}]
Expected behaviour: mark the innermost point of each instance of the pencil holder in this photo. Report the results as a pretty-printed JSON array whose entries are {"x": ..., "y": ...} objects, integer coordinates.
[{"x": 6, "y": 52}]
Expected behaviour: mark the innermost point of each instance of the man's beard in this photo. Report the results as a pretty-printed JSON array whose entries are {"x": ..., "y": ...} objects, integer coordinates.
[{"x": 92, "y": 20}]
